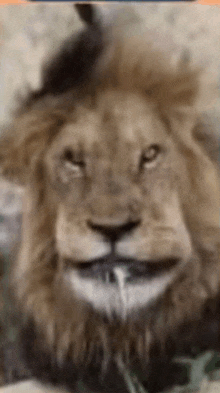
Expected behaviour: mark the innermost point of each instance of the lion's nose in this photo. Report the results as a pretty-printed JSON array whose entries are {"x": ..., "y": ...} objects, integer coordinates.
[{"x": 113, "y": 230}]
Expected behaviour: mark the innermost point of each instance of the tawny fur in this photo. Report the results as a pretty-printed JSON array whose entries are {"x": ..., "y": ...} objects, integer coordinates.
[{"x": 175, "y": 92}]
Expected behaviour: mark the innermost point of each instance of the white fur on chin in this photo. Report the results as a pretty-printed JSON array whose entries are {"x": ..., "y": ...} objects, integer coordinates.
[{"x": 119, "y": 298}]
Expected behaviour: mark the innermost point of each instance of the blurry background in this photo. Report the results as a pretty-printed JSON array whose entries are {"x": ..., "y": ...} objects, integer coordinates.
[{"x": 30, "y": 33}]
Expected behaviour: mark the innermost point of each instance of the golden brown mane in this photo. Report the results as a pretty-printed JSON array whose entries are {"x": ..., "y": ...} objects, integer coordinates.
[{"x": 177, "y": 94}]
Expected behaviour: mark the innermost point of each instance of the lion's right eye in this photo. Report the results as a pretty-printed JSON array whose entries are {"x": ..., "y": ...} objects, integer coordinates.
[
  {"x": 72, "y": 163},
  {"x": 150, "y": 156}
]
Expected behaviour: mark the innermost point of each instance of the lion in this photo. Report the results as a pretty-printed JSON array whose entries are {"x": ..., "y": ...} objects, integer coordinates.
[{"x": 120, "y": 234}]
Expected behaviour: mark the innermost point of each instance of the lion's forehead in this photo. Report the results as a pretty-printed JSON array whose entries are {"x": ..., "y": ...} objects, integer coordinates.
[{"x": 119, "y": 122}]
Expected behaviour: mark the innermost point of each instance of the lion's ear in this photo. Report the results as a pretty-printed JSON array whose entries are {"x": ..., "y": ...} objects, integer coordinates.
[
  {"x": 182, "y": 90},
  {"x": 193, "y": 93},
  {"x": 12, "y": 165},
  {"x": 193, "y": 87},
  {"x": 22, "y": 146}
]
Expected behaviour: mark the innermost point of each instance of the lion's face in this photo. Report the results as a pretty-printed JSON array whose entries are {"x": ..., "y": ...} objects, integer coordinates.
[{"x": 119, "y": 227}]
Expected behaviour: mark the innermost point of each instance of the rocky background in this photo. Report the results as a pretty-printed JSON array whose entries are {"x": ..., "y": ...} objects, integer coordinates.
[{"x": 30, "y": 33}]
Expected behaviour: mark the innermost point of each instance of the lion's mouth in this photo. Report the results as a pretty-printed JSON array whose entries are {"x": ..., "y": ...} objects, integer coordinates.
[
  {"x": 106, "y": 269},
  {"x": 118, "y": 285}
]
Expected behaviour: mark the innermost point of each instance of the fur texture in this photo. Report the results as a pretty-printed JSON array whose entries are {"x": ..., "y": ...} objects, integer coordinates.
[{"x": 79, "y": 146}]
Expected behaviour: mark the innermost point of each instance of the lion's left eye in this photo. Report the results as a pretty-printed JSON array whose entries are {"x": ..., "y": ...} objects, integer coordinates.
[
  {"x": 72, "y": 163},
  {"x": 150, "y": 156}
]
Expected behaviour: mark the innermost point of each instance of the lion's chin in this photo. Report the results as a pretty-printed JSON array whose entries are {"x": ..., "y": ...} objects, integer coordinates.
[{"x": 119, "y": 288}]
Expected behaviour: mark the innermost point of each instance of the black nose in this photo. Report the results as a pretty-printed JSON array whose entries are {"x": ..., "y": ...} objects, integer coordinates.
[{"x": 113, "y": 231}]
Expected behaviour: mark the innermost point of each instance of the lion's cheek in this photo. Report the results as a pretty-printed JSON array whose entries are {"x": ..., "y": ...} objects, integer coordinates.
[{"x": 74, "y": 242}]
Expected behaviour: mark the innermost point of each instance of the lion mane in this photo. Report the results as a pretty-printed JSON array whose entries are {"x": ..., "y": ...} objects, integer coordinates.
[{"x": 61, "y": 338}]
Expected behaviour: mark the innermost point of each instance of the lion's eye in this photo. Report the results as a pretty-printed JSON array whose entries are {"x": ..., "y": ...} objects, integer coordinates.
[
  {"x": 150, "y": 156},
  {"x": 72, "y": 162}
]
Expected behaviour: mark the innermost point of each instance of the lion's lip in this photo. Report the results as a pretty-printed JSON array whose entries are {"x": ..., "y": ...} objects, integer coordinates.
[{"x": 104, "y": 268}]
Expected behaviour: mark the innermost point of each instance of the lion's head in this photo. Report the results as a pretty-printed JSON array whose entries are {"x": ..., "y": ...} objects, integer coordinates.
[{"x": 120, "y": 235}]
